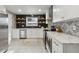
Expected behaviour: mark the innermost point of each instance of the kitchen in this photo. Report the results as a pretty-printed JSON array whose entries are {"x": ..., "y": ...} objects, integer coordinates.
[
  {"x": 42, "y": 28},
  {"x": 27, "y": 27},
  {"x": 65, "y": 39}
]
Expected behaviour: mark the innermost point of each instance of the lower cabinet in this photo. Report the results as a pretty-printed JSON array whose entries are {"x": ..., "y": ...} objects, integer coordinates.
[
  {"x": 34, "y": 33},
  {"x": 53, "y": 45},
  {"x": 49, "y": 42},
  {"x": 63, "y": 43},
  {"x": 27, "y": 33},
  {"x": 57, "y": 47},
  {"x": 15, "y": 33}
]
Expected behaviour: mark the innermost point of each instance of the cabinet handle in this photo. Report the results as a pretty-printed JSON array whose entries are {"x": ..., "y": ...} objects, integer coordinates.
[{"x": 56, "y": 43}]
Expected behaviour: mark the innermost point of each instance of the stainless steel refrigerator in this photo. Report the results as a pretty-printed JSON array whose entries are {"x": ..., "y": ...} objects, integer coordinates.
[{"x": 3, "y": 33}]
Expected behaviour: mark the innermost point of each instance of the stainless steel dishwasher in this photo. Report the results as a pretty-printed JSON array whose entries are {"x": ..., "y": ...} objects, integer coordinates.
[
  {"x": 3, "y": 33},
  {"x": 22, "y": 33}
]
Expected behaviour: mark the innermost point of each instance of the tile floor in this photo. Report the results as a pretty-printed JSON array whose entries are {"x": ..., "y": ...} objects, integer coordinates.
[{"x": 26, "y": 46}]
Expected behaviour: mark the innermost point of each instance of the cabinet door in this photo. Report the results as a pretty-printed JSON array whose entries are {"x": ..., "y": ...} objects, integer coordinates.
[
  {"x": 29, "y": 33},
  {"x": 34, "y": 33},
  {"x": 15, "y": 33},
  {"x": 39, "y": 33},
  {"x": 57, "y": 47}
]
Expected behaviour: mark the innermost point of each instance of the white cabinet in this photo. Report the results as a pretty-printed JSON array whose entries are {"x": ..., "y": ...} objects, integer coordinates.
[
  {"x": 39, "y": 33},
  {"x": 27, "y": 33},
  {"x": 57, "y": 47},
  {"x": 30, "y": 33},
  {"x": 63, "y": 43},
  {"x": 15, "y": 33},
  {"x": 34, "y": 33},
  {"x": 65, "y": 47}
]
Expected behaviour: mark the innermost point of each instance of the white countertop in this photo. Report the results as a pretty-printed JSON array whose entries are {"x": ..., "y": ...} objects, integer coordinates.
[
  {"x": 63, "y": 38},
  {"x": 26, "y": 28}
]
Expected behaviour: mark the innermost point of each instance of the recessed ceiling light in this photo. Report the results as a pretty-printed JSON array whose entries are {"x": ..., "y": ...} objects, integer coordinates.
[
  {"x": 56, "y": 10},
  {"x": 19, "y": 10},
  {"x": 40, "y": 10}
]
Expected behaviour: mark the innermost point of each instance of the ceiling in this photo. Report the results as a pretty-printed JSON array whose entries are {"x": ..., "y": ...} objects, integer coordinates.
[{"x": 27, "y": 9}]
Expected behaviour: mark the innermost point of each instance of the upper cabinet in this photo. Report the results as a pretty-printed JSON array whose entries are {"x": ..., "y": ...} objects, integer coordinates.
[
  {"x": 37, "y": 21},
  {"x": 42, "y": 21},
  {"x": 64, "y": 12},
  {"x": 20, "y": 21}
]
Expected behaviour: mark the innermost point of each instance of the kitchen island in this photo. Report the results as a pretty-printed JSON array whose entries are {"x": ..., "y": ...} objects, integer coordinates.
[{"x": 62, "y": 43}]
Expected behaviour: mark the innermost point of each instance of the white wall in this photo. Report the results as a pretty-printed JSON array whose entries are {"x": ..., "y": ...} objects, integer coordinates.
[
  {"x": 66, "y": 11},
  {"x": 10, "y": 19},
  {"x": 47, "y": 16}
]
